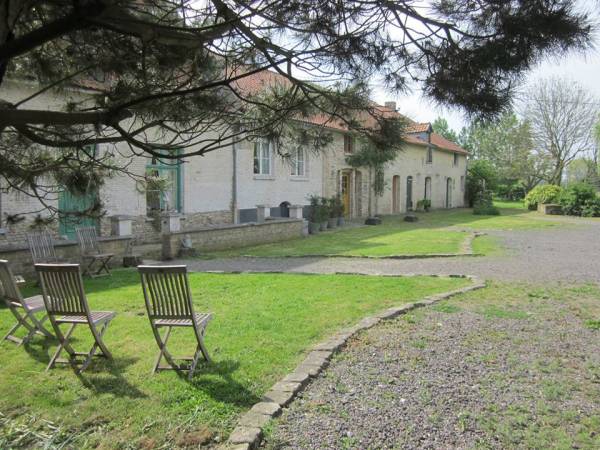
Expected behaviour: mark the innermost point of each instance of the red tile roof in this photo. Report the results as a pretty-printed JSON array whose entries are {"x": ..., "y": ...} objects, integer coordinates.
[
  {"x": 256, "y": 82},
  {"x": 415, "y": 127}
]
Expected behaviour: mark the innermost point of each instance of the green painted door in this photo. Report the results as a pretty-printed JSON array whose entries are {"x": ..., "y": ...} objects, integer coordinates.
[{"x": 72, "y": 203}]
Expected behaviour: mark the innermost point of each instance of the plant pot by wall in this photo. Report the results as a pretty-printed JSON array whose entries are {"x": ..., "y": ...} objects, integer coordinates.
[
  {"x": 341, "y": 221},
  {"x": 332, "y": 222},
  {"x": 313, "y": 227},
  {"x": 323, "y": 226}
]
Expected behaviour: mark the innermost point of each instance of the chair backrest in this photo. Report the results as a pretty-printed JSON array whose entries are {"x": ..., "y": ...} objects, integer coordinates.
[
  {"x": 88, "y": 240},
  {"x": 167, "y": 292},
  {"x": 62, "y": 288},
  {"x": 8, "y": 287},
  {"x": 41, "y": 246}
]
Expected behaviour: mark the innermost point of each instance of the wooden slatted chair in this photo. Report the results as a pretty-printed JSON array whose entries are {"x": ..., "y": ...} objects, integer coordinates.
[
  {"x": 41, "y": 246},
  {"x": 66, "y": 303},
  {"x": 90, "y": 252},
  {"x": 169, "y": 304},
  {"x": 24, "y": 309}
]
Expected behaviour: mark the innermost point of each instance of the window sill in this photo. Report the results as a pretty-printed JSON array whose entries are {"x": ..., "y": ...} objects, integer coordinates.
[
  {"x": 263, "y": 177},
  {"x": 298, "y": 178}
]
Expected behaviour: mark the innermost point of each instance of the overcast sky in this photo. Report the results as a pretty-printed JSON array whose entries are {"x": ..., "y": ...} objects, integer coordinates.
[{"x": 583, "y": 68}]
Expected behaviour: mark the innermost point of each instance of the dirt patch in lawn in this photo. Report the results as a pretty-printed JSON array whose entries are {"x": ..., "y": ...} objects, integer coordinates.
[{"x": 509, "y": 366}]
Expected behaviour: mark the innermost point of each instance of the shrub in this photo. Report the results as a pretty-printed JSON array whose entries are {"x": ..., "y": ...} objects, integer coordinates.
[
  {"x": 484, "y": 205},
  {"x": 424, "y": 204},
  {"x": 481, "y": 176},
  {"x": 336, "y": 207},
  {"x": 545, "y": 193},
  {"x": 577, "y": 198},
  {"x": 591, "y": 208},
  {"x": 319, "y": 209},
  {"x": 510, "y": 190}
]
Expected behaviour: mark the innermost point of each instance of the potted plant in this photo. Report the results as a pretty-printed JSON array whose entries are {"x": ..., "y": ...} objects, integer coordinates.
[
  {"x": 313, "y": 216},
  {"x": 323, "y": 213},
  {"x": 339, "y": 208},
  {"x": 332, "y": 221}
]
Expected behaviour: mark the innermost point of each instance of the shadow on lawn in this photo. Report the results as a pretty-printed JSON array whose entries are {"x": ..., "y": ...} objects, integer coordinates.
[{"x": 215, "y": 379}]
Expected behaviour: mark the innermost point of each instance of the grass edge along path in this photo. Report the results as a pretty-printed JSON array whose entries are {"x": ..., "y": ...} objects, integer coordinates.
[
  {"x": 264, "y": 325},
  {"x": 439, "y": 232}
]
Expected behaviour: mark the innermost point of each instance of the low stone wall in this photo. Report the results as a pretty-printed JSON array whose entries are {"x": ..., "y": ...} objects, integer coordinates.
[
  {"x": 21, "y": 263},
  {"x": 232, "y": 236}
]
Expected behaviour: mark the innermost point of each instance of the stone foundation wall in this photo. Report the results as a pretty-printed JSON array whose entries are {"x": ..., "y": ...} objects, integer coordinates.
[
  {"x": 21, "y": 263},
  {"x": 232, "y": 236}
]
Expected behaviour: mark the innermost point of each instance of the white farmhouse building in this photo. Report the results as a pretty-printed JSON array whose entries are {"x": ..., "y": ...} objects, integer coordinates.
[{"x": 226, "y": 185}]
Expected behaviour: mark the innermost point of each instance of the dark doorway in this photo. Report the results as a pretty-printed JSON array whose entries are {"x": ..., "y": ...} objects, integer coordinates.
[{"x": 284, "y": 208}]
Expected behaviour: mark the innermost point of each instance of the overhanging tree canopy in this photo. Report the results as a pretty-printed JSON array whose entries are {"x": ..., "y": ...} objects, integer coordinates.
[{"x": 178, "y": 74}]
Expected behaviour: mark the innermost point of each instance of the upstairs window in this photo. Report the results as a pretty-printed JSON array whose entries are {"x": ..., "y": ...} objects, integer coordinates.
[
  {"x": 298, "y": 163},
  {"x": 348, "y": 144},
  {"x": 455, "y": 162},
  {"x": 429, "y": 155},
  {"x": 262, "y": 157}
]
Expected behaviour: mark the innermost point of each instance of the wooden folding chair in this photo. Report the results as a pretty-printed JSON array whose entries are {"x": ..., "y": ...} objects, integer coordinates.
[
  {"x": 24, "y": 309},
  {"x": 91, "y": 254},
  {"x": 169, "y": 304},
  {"x": 66, "y": 303},
  {"x": 41, "y": 246}
]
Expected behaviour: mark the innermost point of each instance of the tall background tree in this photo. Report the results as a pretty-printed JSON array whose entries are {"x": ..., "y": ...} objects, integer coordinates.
[
  {"x": 173, "y": 74},
  {"x": 562, "y": 116},
  {"x": 441, "y": 127},
  {"x": 507, "y": 144}
]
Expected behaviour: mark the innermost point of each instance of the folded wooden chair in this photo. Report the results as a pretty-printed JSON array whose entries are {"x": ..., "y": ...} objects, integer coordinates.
[
  {"x": 66, "y": 303},
  {"x": 90, "y": 252},
  {"x": 24, "y": 309},
  {"x": 169, "y": 304},
  {"x": 41, "y": 246}
]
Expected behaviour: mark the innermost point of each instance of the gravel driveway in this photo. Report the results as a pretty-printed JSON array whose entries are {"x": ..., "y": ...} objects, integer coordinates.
[
  {"x": 570, "y": 254},
  {"x": 460, "y": 375}
]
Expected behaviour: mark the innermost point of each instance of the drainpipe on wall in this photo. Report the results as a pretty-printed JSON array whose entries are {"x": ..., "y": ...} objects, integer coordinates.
[{"x": 234, "y": 215}]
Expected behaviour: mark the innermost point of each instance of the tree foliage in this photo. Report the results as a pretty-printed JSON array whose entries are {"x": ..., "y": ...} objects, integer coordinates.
[
  {"x": 172, "y": 74},
  {"x": 507, "y": 144},
  {"x": 481, "y": 177},
  {"x": 441, "y": 127}
]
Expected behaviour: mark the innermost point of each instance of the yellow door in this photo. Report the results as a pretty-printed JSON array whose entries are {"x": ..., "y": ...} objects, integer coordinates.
[{"x": 346, "y": 193}]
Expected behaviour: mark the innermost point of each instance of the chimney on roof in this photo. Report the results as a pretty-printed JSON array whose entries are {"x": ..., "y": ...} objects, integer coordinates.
[{"x": 391, "y": 105}]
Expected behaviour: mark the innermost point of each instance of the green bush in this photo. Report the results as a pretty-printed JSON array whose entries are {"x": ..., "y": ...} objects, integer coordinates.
[
  {"x": 319, "y": 209},
  {"x": 481, "y": 176},
  {"x": 424, "y": 204},
  {"x": 591, "y": 208},
  {"x": 579, "y": 199},
  {"x": 510, "y": 190},
  {"x": 545, "y": 193},
  {"x": 336, "y": 207},
  {"x": 484, "y": 205}
]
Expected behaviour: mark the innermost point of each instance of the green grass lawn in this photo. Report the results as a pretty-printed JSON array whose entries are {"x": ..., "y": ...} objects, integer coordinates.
[
  {"x": 263, "y": 325},
  {"x": 509, "y": 204},
  {"x": 439, "y": 231}
]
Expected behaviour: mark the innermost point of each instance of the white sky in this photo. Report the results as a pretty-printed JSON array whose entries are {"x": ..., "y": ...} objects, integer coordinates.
[{"x": 582, "y": 68}]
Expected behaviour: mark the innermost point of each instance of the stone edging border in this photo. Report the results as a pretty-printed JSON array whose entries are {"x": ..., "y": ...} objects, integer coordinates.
[
  {"x": 466, "y": 250},
  {"x": 248, "y": 432}
]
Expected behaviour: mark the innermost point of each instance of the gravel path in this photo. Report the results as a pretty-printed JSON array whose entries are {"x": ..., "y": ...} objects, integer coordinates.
[
  {"x": 454, "y": 378},
  {"x": 561, "y": 254}
]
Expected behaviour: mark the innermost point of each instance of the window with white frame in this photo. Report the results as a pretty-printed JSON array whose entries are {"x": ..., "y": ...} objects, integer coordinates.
[
  {"x": 298, "y": 161},
  {"x": 262, "y": 157},
  {"x": 429, "y": 155}
]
